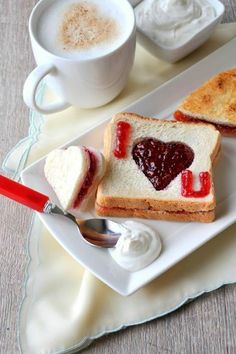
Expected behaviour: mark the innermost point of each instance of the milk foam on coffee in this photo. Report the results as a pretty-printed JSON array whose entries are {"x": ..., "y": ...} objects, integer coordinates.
[{"x": 83, "y": 29}]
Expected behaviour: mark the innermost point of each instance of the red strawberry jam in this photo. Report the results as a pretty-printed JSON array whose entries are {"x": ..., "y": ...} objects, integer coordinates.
[
  {"x": 122, "y": 139},
  {"x": 161, "y": 162},
  {"x": 223, "y": 128},
  {"x": 88, "y": 179},
  {"x": 187, "y": 184}
]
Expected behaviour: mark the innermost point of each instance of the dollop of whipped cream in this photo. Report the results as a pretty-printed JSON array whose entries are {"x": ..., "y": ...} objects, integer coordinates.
[
  {"x": 172, "y": 22},
  {"x": 137, "y": 247}
]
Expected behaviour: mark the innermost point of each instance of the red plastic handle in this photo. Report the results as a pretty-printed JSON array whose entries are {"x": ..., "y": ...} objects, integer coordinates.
[{"x": 22, "y": 194}]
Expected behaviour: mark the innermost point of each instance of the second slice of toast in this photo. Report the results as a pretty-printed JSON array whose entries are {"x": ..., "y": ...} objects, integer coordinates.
[
  {"x": 147, "y": 181},
  {"x": 214, "y": 102}
]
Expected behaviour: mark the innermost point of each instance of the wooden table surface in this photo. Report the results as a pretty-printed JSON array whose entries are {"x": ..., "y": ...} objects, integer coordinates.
[{"x": 206, "y": 325}]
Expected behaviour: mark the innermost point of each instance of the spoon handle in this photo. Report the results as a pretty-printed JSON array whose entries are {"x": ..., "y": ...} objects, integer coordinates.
[{"x": 22, "y": 194}]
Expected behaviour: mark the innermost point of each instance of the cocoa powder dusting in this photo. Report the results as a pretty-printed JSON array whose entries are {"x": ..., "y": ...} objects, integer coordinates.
[{"x": 83, "y": 27}]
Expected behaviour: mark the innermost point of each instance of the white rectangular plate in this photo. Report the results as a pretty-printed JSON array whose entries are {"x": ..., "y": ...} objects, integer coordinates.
[{"x": 179, "y": 239}]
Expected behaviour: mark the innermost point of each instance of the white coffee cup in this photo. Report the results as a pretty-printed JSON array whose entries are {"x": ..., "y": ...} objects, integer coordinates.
[{"x": 82, "y": 81}]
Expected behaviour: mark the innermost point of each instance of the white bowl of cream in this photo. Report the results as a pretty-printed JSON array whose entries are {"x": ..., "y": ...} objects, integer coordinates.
[{"x": 171, "y": 29}]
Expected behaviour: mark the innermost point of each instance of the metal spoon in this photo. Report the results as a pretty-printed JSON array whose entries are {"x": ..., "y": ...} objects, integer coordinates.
[{"x": 97, "y": 232}]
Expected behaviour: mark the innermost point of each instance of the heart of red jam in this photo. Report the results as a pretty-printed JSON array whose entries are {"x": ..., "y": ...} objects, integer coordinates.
[
  {"x": 187, "y": 184},
  {"x": 123, "y": 130},
  {"x": 161, "y": 162}
]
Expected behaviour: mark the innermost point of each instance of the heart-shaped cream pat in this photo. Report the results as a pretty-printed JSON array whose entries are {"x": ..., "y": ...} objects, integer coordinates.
[{"x": 73, "y": 174}]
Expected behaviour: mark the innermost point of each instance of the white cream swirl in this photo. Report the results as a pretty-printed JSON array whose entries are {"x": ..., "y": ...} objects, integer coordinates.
[
  {"x": 137, "y": 247},
  {"x": 173, "y": 22}
]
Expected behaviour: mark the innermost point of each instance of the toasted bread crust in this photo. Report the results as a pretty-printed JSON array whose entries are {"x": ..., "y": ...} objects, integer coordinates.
[
  {"x": 120, "y": 206},
  {"x": 224, "y": 129},
  {"x": 205, "y": 216},
  {"x": 215, "y": 101}
]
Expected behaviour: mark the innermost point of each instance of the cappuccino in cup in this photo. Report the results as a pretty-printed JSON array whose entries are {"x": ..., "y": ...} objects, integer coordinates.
[
  {"x": 84, "y": 50},
  {"x": 83, "y": 29}
]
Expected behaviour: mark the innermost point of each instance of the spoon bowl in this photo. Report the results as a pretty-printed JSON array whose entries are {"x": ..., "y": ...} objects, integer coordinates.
[{"x": 100, "y": 232}]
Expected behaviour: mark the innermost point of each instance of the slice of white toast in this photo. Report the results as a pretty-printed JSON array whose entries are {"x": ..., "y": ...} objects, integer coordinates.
[
  {"x": 127, "y": 191},
  {"x": 214, "y": 102}
]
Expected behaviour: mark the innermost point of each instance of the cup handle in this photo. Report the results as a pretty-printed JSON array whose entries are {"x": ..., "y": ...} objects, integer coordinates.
[{"x": 30, "y": 88}]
